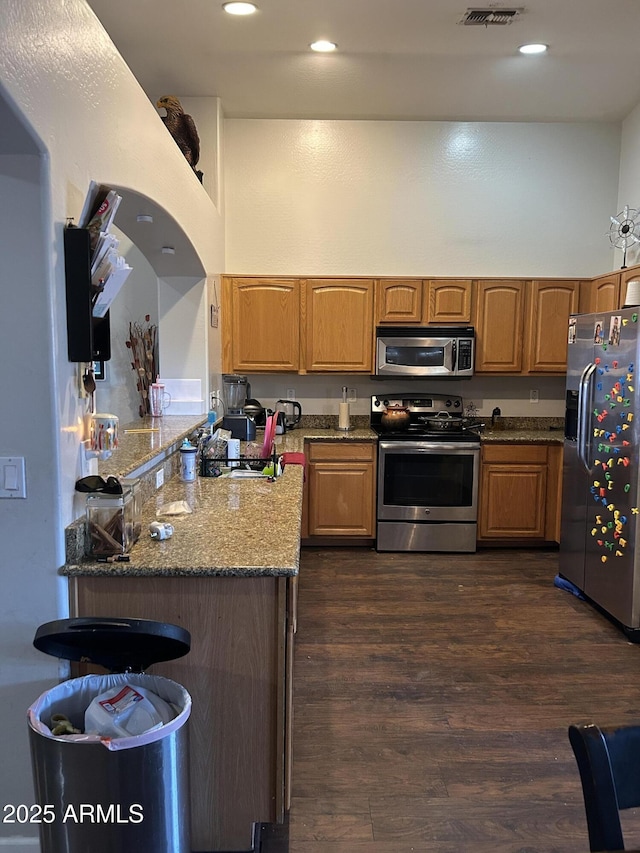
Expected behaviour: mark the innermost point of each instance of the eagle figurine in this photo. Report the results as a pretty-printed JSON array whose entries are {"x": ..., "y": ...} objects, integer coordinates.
[{"x": 183, "y": 129}]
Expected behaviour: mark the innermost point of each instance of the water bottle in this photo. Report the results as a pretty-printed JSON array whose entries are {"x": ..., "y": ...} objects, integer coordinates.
[{"x": 188, "y": 461}]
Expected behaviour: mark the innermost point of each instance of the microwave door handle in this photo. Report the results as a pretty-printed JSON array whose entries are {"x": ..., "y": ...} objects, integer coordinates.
[
  {"x": 454, "y": 356},
  {"x": 585, "y": 397}
]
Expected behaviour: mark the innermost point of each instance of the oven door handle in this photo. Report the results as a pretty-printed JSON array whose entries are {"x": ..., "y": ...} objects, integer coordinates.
[{"x": 430, "y": 446}]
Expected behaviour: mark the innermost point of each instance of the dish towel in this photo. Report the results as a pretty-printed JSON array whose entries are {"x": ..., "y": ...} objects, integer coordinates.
[{"x": 295, "y": 459}]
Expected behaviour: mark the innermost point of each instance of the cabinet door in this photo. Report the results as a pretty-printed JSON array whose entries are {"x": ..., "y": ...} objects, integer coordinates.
[
  {"x": 261, "y": 322},
  {"x": 513, "y": 491},
  {"x": 499, "y": 326},
  {"x": 338, "y": 325},
  {"x": 548, "y": 308},
  {"x": 449, "y": 301},
  {"x": 341, "y": 489},
  {"x": 600, "y": 294},
  {"x": 632, "y": 274},
  {"x": 400, "y": 300}
]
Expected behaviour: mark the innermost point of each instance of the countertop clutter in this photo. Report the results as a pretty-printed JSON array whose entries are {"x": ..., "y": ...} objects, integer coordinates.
[{"x": 239, "y": 528}]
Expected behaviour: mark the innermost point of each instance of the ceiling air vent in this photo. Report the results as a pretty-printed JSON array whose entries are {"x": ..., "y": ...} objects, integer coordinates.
[{"x": 489, "y": 17}]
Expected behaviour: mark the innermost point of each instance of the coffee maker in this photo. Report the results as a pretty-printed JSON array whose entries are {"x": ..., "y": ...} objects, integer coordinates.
[{"x": 235, "y": 391}]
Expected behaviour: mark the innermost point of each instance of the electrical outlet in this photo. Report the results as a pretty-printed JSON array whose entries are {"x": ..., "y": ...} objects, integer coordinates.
[
  {"x": 352, "y": 396},
  {"x": 534, "y": 397},
  {"x": 291, "y": 393},
  {"x": 159, "y": 478}
]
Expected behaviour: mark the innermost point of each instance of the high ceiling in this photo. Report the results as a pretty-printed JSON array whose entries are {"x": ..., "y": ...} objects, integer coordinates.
[{"x": 396, "y": 59}]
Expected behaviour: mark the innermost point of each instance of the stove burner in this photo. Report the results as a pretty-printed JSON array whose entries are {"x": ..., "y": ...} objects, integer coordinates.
[{"x": 433, "y": 417}]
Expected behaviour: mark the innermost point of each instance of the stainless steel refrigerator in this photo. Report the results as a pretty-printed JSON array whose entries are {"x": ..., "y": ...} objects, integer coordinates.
[{"x": 600, "y": 498}]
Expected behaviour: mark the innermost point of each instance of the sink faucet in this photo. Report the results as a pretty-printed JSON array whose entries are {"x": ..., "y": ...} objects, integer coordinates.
[{"x": 495, "y": 414}]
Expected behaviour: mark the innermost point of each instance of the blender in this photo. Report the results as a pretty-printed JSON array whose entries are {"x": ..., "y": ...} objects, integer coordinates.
[{"x": 235, "y": 390}]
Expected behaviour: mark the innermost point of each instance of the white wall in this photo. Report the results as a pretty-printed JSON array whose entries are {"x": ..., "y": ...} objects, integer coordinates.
[
  {"x": 629, "y": 185},
  {"x": 64, "y": 92},
  {"x": 137, "y": 299},
  {"x": 419, "y": 198}
]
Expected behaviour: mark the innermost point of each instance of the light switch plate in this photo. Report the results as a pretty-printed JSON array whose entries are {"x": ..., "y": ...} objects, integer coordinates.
[{"x": 13, "y": 482}]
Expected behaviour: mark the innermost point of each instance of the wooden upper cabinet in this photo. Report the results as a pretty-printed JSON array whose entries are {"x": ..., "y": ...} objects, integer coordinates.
[
  {"x": 338, "y": 330},
  {"x": 600, "y": 294},
  {"x": 262, "y": 332},
  {"x": 449, "y": 301},
  {"x": 499, "y": 326},
  {"x": 400, "y": 301},
  {"x": 631, "y": 274},
  {"x": 548, "y": 308}
]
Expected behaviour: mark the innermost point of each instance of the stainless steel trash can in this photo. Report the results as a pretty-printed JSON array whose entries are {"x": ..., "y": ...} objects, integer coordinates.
[{"x": 108, "y": 795}]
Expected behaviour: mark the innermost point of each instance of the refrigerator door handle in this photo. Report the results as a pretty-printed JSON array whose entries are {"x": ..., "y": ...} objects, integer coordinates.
[{"x": 585, "y": 401}]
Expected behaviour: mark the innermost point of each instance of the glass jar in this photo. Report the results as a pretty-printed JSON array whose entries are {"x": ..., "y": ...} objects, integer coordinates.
[{"x": 111, "y": 523}]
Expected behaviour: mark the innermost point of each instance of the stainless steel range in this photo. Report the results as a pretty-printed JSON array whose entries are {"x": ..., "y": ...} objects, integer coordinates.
[{"x": 428, "y": 465}]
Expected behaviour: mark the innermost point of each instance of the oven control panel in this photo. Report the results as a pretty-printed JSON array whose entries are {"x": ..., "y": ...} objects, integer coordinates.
[{"x": 428, "y": 403}]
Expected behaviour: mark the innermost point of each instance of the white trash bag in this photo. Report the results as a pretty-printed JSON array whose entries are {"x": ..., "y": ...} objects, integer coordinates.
[{"x": 164, "y": 707}]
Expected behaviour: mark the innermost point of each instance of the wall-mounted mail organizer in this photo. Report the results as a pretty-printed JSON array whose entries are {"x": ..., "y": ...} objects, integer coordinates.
[{"x": 88, "y": 337}]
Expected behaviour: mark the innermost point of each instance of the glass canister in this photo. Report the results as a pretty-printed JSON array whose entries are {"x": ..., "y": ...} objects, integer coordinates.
[{"x": 110, "y": 523}]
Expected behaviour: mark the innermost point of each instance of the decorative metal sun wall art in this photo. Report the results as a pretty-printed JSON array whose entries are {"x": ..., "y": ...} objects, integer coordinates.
[{"x": 624, "y": 230}]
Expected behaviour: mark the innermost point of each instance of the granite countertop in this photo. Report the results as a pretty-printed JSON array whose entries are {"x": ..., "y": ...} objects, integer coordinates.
[
  {"x": 147, "y": 440},
  {"x": 240, "y": 527},
  {"x": 525, "y": 431},
  {"x": 249, "y": 527}
]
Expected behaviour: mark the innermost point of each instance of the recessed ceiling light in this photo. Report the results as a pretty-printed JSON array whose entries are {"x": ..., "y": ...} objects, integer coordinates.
[
  {"x": 323, "y": 46},
  {"x": 235, "y": 8},
  {"x": 533, "y": 48}
]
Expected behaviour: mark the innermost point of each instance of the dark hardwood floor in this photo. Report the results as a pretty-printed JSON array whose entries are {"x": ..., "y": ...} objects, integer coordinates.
[{"x": 432, "y": 696}]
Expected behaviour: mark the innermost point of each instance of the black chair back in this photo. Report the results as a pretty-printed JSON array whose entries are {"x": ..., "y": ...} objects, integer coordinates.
[{"x": 608, "y": 760}]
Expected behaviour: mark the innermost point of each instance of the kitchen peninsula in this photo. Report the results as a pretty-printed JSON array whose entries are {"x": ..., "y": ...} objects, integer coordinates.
[{"x": 228, "y": 575}]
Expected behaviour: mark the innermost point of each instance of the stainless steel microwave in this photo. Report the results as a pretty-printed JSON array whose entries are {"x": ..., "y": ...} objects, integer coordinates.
[{"x": 432, "y": 351}]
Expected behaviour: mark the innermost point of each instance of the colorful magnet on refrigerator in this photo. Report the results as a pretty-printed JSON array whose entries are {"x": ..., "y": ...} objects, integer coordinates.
[
  {"x": 603, "y": 558},
  {"x": 614, "y": 363},
  {"x": 634, "y": 318},
  {"x": 627, "y": 486}
]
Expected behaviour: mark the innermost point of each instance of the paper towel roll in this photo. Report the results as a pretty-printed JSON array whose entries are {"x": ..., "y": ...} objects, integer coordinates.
[
  {"x": 633, "y": 293},
  {"x": 343, "y": 416}
]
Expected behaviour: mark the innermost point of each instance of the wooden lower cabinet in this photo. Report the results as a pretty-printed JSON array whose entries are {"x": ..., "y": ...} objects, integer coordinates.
[
  {"x": 239, "y": 673},
  {"x": 520, "y": 492},
  {"x": 340, "y": 484}
]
